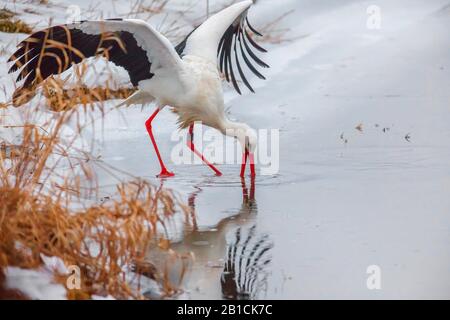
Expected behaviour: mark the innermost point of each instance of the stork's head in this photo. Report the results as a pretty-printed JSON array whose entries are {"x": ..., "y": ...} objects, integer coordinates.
[{"x": 248, "y": 139}]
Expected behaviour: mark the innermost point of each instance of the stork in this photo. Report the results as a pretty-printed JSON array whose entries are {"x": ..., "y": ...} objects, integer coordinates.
[{"x": 187, "y": 77}]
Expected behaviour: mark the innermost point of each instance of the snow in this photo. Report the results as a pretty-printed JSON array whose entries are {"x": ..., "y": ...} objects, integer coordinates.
[
  {"x": 35, "y": 284},
  {"x": 344, "y": 199}
]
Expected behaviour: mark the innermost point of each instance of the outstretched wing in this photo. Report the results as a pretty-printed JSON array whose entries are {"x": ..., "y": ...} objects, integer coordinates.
[
  {"x": 237, "y": 39},
  {"x": 131, "y": 44},
  {"x": 227, "y": 36}
]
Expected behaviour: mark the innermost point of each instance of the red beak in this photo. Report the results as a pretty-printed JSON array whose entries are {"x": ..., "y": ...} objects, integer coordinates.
[
  {"x": 246, "y": 155},
  {"x": 252, "y": 165}
]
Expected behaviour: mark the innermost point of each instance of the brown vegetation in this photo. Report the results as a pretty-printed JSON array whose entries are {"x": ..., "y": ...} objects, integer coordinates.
[
  {"x": 38, "y": 201},
  {"x": 10, "y": 24}
]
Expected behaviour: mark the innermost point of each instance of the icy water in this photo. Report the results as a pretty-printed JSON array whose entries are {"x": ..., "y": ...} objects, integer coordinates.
[
  {"x": 307, "y": 235},
  {"x": 364, "y": 165}
]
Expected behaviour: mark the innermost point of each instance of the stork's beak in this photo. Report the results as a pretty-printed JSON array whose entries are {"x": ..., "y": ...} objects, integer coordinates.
[
  {"x": 244, "y": 162},
  {"x": 252, "y": 164},
  {"x": 245, "y": 156}
]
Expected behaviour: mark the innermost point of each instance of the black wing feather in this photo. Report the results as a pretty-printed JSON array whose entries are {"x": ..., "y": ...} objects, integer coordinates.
[
  {"x": 238, "y": 32},
  {"x": 253, "y": 43},
  {"x": 247, "y": 61},
  {"x": 241, "y": 73},
  {"x": 56, "y": 49},
  {"x": 252, "y": 54},
  {"x": 251, "y": 28}
]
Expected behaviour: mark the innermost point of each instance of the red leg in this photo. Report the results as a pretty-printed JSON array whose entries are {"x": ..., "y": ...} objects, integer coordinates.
[
  {"x": 190, "y": 144},
  {"x": 148, "y": 124},
  {"x": 252, "y": 165}
]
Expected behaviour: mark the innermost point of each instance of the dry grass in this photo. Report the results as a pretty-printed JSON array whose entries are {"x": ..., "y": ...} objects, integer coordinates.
[
  {"x": 37, "y": 215},
  {"x": 60, "y": 99},
  {"x": 10, "y": 24},
  {"x": 38, "y": 196},
  {"x": 14, "y": 26},
  {"x": 102, "y": 240},
  {"x": 6, "y": 14}
]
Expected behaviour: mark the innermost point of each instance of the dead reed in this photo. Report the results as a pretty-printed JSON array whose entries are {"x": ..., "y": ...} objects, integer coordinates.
[
  {"x": 42, "y": 211},
  {"x": 9, "y": 23}
]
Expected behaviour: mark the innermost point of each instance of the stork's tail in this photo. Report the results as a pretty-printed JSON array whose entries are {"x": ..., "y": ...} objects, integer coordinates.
[{"x": 139, "y": 97}]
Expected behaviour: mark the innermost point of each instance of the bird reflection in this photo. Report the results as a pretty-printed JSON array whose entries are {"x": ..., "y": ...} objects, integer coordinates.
[
  {"x": 244, "y": 257},
  {"x": 245, "y": 272},
  {"x": 248, "y": 199},
  {"x": 231, "y": 260}
]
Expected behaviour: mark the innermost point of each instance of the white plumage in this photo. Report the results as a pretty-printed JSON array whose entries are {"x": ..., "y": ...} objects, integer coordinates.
[
  {"x": 186, "y": 77},
  {"x": 204, "y": 41}
]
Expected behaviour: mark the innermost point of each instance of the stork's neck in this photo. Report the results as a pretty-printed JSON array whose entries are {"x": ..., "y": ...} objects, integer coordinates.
[{"x": 231, "y": 128}]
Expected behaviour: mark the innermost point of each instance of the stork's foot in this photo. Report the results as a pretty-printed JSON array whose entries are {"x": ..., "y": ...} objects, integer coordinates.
[
  {"x": 165, "y": 174},
  {"x": 217, "y": 172}
]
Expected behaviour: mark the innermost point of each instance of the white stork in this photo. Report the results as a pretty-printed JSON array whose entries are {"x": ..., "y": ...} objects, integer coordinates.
[{"x": 186, "y": 77}]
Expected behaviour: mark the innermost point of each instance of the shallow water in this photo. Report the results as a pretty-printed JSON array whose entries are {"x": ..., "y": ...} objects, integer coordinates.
[{"x": 312, "y": 231}]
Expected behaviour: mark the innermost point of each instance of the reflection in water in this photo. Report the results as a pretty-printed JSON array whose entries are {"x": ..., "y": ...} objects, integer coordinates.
[
  {"x": 232, "y": 270},
  {"x": 245, "y": 274}
]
